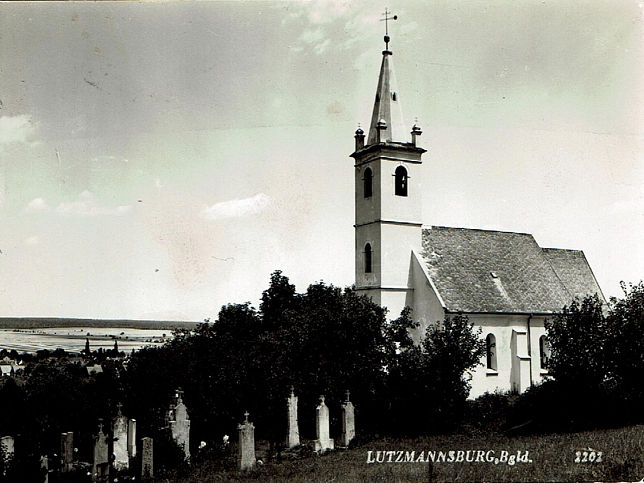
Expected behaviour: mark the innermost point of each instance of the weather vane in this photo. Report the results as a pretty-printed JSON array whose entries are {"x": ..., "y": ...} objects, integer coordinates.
[{"x": 386, "y": 20}]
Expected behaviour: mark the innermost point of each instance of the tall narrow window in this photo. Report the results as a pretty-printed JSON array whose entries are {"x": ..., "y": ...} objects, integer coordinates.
[
  {"x": 368, "y": 183},
  {"x": 490, "y": 350},
  {"x": 544, "y": 351},
  {"x": 401, "y": 181},
  {"x": 367, "y": 258}
]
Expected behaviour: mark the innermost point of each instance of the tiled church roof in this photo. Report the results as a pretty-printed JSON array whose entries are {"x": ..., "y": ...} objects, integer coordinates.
[
  {"x": 573, "y": 270},
  {"x": 493, "y": 271}
]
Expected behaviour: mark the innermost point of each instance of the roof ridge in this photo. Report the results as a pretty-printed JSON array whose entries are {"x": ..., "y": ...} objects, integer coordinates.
[{"x": 487, "y": 230}]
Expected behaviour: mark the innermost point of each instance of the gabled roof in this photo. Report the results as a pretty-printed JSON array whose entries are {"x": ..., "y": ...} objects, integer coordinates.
[{"x": 494, "y": 271}]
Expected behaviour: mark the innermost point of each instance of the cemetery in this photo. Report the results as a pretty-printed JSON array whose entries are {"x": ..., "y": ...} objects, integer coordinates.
[{"x": 114, "y": 446}]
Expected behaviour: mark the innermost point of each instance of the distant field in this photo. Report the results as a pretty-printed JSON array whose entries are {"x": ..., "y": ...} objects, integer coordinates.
[{"x": 40, "y": 323}]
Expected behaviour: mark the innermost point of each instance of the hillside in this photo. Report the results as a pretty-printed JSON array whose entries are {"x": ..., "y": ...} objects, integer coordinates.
[{"x": 43, "y": 322}]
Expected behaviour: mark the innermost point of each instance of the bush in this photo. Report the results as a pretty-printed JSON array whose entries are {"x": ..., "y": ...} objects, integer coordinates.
[{"x": 489, "y": 412}]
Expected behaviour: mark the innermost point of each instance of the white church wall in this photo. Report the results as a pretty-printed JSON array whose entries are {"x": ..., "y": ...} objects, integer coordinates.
[
  {"x": 395, "y": 301},
  {"x": 368, "y": 234},
  {"x": 401, "y": 208},
  {"x": 521, "y": 365},
  {"x": 367, "y": 209},
  {"x": 537, "y": 329},
  {"x": 489, "y": 380},
  {"x": 502, "y": 327},
  {"x": 427, "y": 307},
  {"x": 397, "y": 243}
]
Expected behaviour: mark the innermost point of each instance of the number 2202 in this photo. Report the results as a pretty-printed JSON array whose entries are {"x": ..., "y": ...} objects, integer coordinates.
[{"x": 588, "y": 456}]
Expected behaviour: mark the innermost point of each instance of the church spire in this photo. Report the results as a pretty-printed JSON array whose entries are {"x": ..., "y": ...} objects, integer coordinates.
[{"x": 387, "y": 120}]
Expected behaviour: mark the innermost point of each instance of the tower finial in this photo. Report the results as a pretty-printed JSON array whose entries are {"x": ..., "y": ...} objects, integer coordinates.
[{"x": 386, "y": 20}]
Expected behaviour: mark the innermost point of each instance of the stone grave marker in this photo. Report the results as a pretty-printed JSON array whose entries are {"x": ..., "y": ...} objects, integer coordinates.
[
  {"x": 324, "y": 442},
  {"x": 101, "y": 453},
  {"x": 66, "y": 451},
  {"x": 348, "y": 422},
  {"x": 180, "y": 423},
  {"x": 131, "y": 438},
  {"x": 246, "y": 444},
  {"x": 147, "y": 458},
  {"x": 120, "y": 432},
  {"x": 293, "y": 436}
]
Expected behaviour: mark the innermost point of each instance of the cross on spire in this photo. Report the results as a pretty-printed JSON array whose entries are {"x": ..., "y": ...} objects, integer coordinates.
[{"x": 386, "y": 20}]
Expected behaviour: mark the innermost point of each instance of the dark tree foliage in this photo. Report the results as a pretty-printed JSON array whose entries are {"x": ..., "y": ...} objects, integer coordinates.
[
  {"x": 592, "y": 347},
  {"x": 49, "y": 397},
  {"x": 596, "y": 366},
  {"x": 431, "y": 381},
  {"x": 578, "y": 342},
  {"x": 625, "y": 351}
]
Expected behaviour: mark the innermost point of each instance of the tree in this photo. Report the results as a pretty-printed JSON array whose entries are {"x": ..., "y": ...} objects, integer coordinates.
[
  {"x": 596, "y": 363},
  {"x": 429, "y": 384},
  {"x": 578, "y": 343},
  {"x": 625, "y": 344},
  {"x": 323, "y": 341}
]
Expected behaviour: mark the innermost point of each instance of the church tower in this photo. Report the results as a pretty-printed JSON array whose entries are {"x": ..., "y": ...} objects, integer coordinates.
[{"x": 388, "y": 222}]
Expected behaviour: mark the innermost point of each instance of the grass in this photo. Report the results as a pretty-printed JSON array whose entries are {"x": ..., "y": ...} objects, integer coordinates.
[{"x": 552, "y": 455}]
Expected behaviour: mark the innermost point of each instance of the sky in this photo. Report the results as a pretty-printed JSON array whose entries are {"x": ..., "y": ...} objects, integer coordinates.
[{"x": 161, "y": 159}]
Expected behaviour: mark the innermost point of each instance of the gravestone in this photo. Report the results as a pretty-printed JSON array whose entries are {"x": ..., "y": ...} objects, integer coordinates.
[
  {"x": 120, "y": 432},
  {"x": 180, "y": 423},
  {"x": 293, "y": 435},
  {"x": 66, "y": 452},
  {"x": 246, "y": 444},
  {"x": 101, "y": 455},
  {"x": 348, "y": 422},
  {"x": 7, "y": 450},
  {"x": 147, "y": 458},
  {"x": 131, "y": 438},
  {"x": 324, "y": 442}
]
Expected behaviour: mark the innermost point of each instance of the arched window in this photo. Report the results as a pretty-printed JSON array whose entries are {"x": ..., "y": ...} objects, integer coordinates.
[
  {"x": 490, "y": 351},
  {"x": 367, "y": 258},
  {"x": 368, "y": 182},
  {"x": 401, "y": 181},
  {"x": 544, "y": 351}
]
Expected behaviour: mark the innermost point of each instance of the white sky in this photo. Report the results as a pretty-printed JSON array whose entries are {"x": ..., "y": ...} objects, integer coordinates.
[{"x": 204, "y": 145}]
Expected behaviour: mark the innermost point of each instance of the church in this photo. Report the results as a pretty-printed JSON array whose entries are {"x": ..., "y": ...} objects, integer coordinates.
[{"x": 503, "y": 281}]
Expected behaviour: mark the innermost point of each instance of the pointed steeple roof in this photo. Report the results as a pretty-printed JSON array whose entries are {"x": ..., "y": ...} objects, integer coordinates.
[{"x": 387, "y": 106}]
